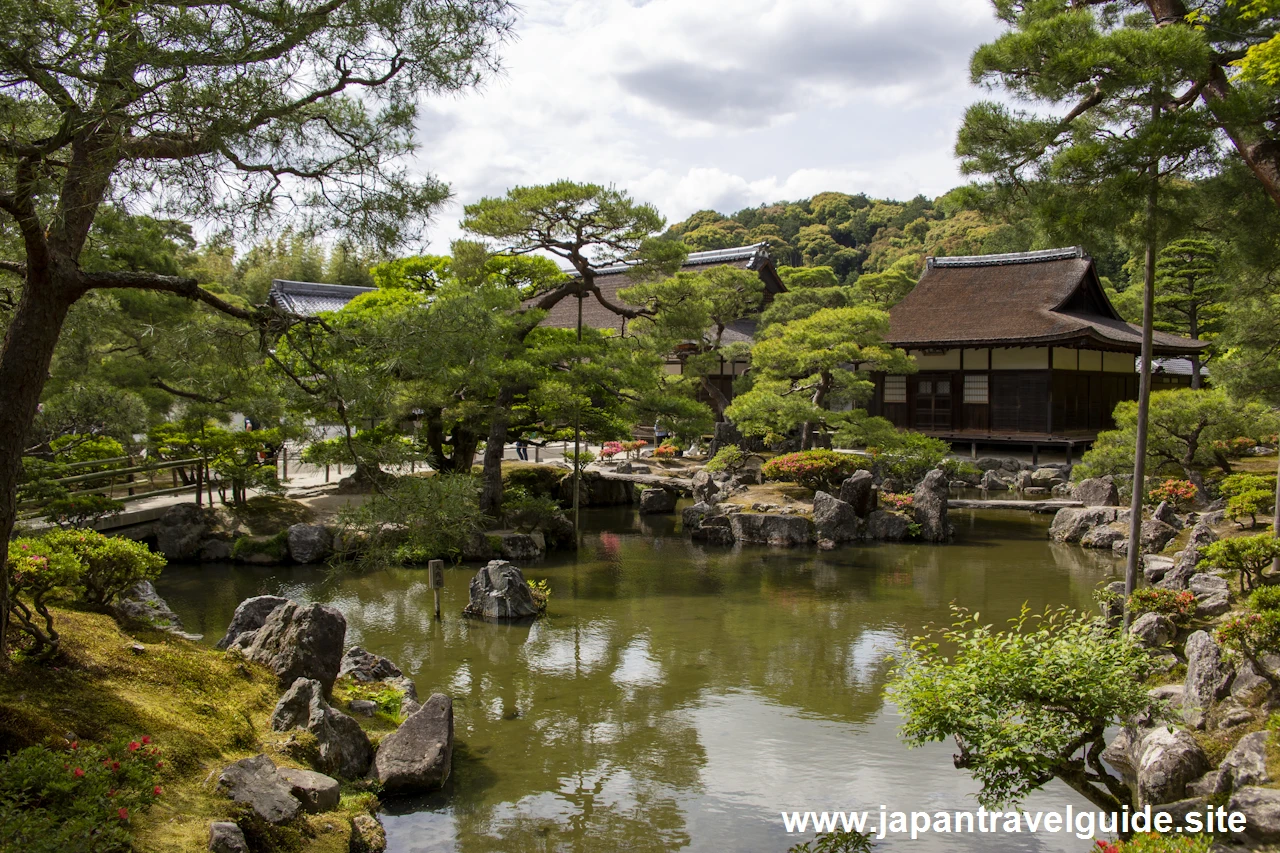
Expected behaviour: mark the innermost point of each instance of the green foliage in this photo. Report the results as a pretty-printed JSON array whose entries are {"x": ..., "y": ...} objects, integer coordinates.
[
  {"x": 958, "y": 469},
  {"x": 86, "y": 448},
  {"x": 1252, "y": 635},
  {"x": 907, "y": 456},
  {"x": 541, "y": 592},
  {"x": 535, "y": 480},
  {"x": 1179, "y": 606},
  {"x": 1021, "y": 704},
  {"x": 1265, "y": 598},
  {"x": 526, "y": 512},
  {"x": 416, "y": 519},
  {"x": 109, "y": 564},
  {"x": 275, "y": 547},
  {"x": 80, "y": 510},
  {"x": 730, "y": 458},
  {"x": 81, "y": 799},
  {"x": 581, "y": 459},
  {"x": 1248, "y": 555},
  {"x": 836, "y": 841},
  {"x": 37, "y": 572},
  {"x": 387, "y": 698},
  {"x": 1155, "y": 842},
  {"x": 1252, "y": 504},
  {"x": 1191, "y": 291},
  {"x": 814, "y": 469}
]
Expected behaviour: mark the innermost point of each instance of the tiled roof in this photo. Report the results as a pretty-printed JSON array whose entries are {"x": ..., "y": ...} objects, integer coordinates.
[
  {"x": 1042, "y": 298},
  {"x": 755, "y": 255},
  {"x": 1171, "y": 366},
  {"x": 308, "y": 298}
]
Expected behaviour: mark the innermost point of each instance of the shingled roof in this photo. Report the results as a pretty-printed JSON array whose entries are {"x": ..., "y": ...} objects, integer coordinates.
[
  {"x": 1051, "y": 297},
  {"x": 308, "y": 298},
  {"x": 611, "y": 279}
]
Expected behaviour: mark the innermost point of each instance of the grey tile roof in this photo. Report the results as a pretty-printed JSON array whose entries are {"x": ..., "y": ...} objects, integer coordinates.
[
  {"x": 308, "y": 298},
  {"x": 755, "y": 255},
  {"x": 1009, "y": 258},
  {"x": 1170, "y": 366}
]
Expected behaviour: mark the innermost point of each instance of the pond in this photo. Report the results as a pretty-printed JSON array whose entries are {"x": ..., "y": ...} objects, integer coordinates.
[{"x": 679, "y": 697}]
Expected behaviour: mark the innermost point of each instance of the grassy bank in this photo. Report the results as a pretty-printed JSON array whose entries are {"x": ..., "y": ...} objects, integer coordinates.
[{"x": 203, "y": 709}]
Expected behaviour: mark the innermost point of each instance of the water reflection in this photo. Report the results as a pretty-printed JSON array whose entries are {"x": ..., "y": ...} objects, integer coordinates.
[{"x": 678, "y": 697}]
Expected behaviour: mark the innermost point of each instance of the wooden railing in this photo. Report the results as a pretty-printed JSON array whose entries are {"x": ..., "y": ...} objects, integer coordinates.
[{"x": 127, "y": 479}]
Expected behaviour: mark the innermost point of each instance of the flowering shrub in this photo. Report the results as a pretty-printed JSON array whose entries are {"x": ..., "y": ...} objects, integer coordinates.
[
  {"x": 813, "y": 469},
  {"x": 632, "y": 448},
  {"x": 1178, "y": 606},
  {"x": 77, "y": 799},
  {"x": 665, "y": 451},
  {"x": 1251, "y": 635},
  {"x": 1179, "y": 493},
  {"x": 1236, "y": 447},
  {"x": 895, "y": 501},
  {"x": 610, "y": 449},
  {"x": 109, "y": 565},
  {"x": 1154, "y": 842},
  {"x": 37, "y": 570}
]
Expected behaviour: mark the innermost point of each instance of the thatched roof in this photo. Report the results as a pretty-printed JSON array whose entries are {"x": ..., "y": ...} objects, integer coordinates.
[
  {"x": 1046, "y": 298},
  {"x": 611, "y": 279}
]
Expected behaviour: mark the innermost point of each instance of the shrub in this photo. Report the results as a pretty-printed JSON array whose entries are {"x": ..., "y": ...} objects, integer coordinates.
[
  {"x": 1179, "y": 493},
  {"x": 908, "y": 456},
  {"x": 610, "y": 449},
  {"x": 665, "y": 451},
  {"x": 80, "y": 799},
  {"x": 1265, "y": 598},
  {"x": 525, "y": 512},
  {"x": 1252, "y": 635},
  {"x": 541, "y": 592},
  {"x": 81, "y": 510},
  {"x": 1178, "y": 606},
  {"x": 1252, "y": 504},
  {"x": 836, "y": 841},
  {"x": 1248, "y": 555},
  {"x": 37, "y": 571},
  {"x": 387, "y": 698},
  {"x": 1154, "y": 842},
  {"x": 730, "y": 459},
  {"x": 813, "y": 469},
  {"x": 109, "y": 565},
  {"x": 956, "y": 469},
  {"x": 1238, "y": 484},
  {"x": 581, "y": 459},
  {"x": 537, "y": 480},
  {"x": 416, "y": 518},
  {"x": 896, "y": 501}
]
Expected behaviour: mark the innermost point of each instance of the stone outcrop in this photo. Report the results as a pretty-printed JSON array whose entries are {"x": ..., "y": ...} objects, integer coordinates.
[
  {"x": 884, "y": 526},
  {"x": 859, "y": 492},
  {"x": 309, "y": 543},
  {"x": 929, "y": 506},
  {"x": 714, "y": 529},
  {"x": 141, "y": 602},
  {"x": 227, "y": 837},
  {"x": 298, "y": 641},
  {"x": 315, "y": 791},
  {"x": 705, "y": 488},
  {"x": 1164, "y": 513},
  {"x": 1245, "y": 764},
  {"x": 1104, "y": 537},
  {"x": 770, "y": 528},
  {"x": 256, "y": 783},
  {"x": 1165, "y": 761},
  {"x": 657, "y": 500},
  {"x": 343, "y": 746},
  {"x": 1261, "y": 810},
  {"x": 1097, "y": 491},
  {"x": 249, "y": 616},
  {"x": 1156, "y": 535},
  {"x": 180, "y": 531},
  {"x": 418, "y": 755},
  {"x": 368, "y": 668},
  {"x": 1208, "y": 677},
  {"x": 499, "y": 592},
  {"x": 1153, "y": 630},
  {"x": 1071, "y": 524},
  {"x": 834, "y": 519},
  {"x": 992, "y": 482}
]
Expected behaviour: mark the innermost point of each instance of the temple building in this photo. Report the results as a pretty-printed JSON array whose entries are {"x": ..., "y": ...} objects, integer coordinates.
[{"x": 1020, "y": 348}]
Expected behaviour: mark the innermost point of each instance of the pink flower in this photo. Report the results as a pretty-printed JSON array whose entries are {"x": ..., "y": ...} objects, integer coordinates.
[
  {"x": 79, "y": 773},
  {"x": 123, "y": 813}
]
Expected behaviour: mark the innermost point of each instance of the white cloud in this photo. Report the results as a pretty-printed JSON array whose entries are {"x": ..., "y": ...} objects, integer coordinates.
[{"x": 714, "y": 103}]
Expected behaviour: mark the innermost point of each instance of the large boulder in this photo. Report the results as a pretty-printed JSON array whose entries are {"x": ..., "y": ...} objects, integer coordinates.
[
  {"x": 1245, "y": 764},
  {"x": 1072, "y": 523},
  {"x": 1165, "y": 761},
  {"x": 657, "y": 500},
  {"x": 1202, "y": 535},
  {"x": 368, "y": 668},
  {"x": 1261, "y": 810},
  {"x": 1203, "y": 585},
  {"x": 1097, "y": 491},
  {"x": 713, "y": 529},
  {"x": 692, "y": 516},
  {"x": 343, "y": 746},
  {"x": 929, "y": 506},
  {"x": 256, "y": 783},
  {"x": 419, "y": 754},
  {"x": 1104, "y": 537},
  {"x": 770, "y": 528},
  {"x": 227, "y": 837},
  {"x": 992, "y": 482},
  {"x": 1155, "y": 567},
  {"x": 1156, "y": 535},
  {"x": 1164, "y": 512},
  {"x": 316, "y": 791},
  {"x": 309, "y": 543},
  {"x": 1208, "y": 677},
  {"x": 1185, "y": 566},
  {"x": 705, "y": 488},
  {"x": 249, "y": 616},
  {"x": 834, "y": 519},
  {"x": 142, "y": 603},
  {"x": 1153, "y": 630},
  {"x": 500, "y": 592},
  {"x": 299, "y": 641},
  {"x": 180, "y": 531},
  {"x": 859, "y": 492},
  {"x": 887, "y": 526},
  {"x": 1045, "y": 478}
]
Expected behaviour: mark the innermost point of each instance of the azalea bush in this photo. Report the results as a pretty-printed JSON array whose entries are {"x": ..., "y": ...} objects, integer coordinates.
[
  {"x": 38, "y": 571},
  {"x": 109, "y": 565},
  {"x": 1155, "y": 842},
  {"x": 1179, "y": 606},
  {"x": 895, "y": 501},
  {"x": 80, "y": 799},
  {"x": 1248, "y": 555},
  {"x": 1179, "y": 493},
  {"x": 665, "y": 451},
  {"x": 1252, "y": 635},
  {"x": 610, "y": 449},
  {"x": 1236, "y": 447},
  {"x": 633, "y": 448},
  {"x": 814, "y": 469}
]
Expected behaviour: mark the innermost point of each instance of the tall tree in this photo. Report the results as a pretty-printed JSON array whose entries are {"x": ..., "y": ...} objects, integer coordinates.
[
  {"x": 1190, "y": 293},
  {"x": 226, "y": 111}
]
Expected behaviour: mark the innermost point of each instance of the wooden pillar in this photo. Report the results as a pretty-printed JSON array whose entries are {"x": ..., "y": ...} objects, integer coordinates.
[
  {"x": 1035, "y": 453},
  {"x": 973, "y": 450}
]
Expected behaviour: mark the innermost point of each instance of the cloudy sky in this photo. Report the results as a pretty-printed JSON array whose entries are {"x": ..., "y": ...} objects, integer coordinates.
[{"x": 721, "y": 104}]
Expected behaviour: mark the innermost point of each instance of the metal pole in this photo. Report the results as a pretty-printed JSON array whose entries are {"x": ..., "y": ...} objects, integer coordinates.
[
  {"x": 577, "y": 433},
  {"x": 1144, "y": 392}
]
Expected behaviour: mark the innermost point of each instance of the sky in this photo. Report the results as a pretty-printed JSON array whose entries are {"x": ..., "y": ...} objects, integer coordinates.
[{"x": 720, "y": 104}]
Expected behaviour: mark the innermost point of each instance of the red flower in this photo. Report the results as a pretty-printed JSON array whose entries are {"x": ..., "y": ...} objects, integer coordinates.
[
  {"x": 156, "y": 790},
  {"x": 146, "y": 738},
  {"x": 124, "y": 813},
  {"x": 79, "y": 772},
  {"x": 75, "y": 744},
  {"x": 115, "y": 765},
  {"x": 159, "y": 764},
  {"x": 134, "y": 746}
]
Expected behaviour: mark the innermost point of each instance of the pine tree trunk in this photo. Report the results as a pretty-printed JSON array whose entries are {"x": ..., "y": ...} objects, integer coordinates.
[
  {"x": 24, "y": 367},
  {"x": 491, "y": 491}
]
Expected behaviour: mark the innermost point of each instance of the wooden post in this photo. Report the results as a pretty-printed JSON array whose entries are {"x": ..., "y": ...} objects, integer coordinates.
[
  {"x": 435, "y": 570},
  {"x": 973, "y": 450},
  {"x": 326, "y": 473}
]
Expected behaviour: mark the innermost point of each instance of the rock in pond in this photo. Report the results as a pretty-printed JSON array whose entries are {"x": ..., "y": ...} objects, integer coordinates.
[
  {"x": 1097, "y": 491},
  {"x": 344, "y": 747},
  {"x": 1071, "y": 524},
  {"x": 886, "y": 526},
  {"x": 834, "y": 519},
  {"x": 500, "y": 592},
  {"x": 309, "y": 543},
  {"x": 249, "y": 616},
  {"x": 657, "y": 500},
  {"x": 929, "y": 506},
  {"x": 859, "y": 492},
  {"x": 256, "y": 783},
  {"x": 770, "y": 528},
  {"x": 418, "y": 755},
  {"x": 299, "y": 641}
]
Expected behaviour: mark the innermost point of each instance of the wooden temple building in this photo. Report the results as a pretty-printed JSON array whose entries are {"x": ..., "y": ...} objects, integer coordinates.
[{"x": 1020, "y": 348}]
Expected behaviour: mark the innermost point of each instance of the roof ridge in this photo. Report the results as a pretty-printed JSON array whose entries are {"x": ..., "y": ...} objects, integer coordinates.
[
  {"x": 315, "y": 285},
  {"x": 1038, "y": 256},
  {"x": 707, "y": 256}
]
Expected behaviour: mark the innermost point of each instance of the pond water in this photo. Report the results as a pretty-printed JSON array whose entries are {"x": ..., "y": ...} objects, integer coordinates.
[{"x": 679, "y": 697}]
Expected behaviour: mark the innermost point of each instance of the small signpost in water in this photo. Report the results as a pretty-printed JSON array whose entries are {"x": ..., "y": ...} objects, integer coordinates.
[{"x": 435, "y": 569}]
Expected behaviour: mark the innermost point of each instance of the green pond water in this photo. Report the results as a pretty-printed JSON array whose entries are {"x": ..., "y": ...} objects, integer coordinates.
[{"x": 679, "y": 697}]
